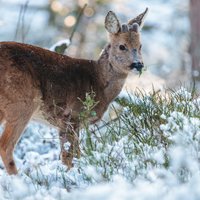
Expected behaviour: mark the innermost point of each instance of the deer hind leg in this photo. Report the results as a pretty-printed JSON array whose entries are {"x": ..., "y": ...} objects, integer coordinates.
[
  {"x": 7, "y": 143},
  {"x": 69, "y": 147},
  {"x": 16, "y": 120},
  {"x": 8, "y": 140}
]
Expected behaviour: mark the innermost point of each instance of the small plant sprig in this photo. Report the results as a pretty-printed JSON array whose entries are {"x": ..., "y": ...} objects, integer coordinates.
[
  {"x": 88, "y": 107},
  {"x": 86, "y": 115}
]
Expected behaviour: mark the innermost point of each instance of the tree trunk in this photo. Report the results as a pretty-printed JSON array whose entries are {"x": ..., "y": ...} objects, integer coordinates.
[{"x": 195, "y": 38}]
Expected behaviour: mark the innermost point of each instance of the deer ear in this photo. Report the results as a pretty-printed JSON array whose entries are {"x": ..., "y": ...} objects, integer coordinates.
[
  {"x": 112, "y": 24},
  {"x": 139, "y": 19}
]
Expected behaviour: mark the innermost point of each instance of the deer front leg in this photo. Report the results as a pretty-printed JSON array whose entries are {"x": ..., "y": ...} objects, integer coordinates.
[{"x": 69, "y": 147}]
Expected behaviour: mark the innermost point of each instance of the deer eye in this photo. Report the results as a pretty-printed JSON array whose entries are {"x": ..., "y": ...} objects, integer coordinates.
[
  {"x": 140, "y": 47},
  {"x": 122, "y": 47}
]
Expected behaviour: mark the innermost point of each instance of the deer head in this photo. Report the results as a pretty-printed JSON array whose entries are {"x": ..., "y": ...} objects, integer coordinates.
[{"x": 125, "y": 46}]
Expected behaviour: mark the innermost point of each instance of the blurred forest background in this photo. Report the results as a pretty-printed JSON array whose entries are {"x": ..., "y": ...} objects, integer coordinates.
[{"x": 170, "y": 37}]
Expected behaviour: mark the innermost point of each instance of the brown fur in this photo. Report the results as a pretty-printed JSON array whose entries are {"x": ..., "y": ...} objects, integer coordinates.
[{"x": 36, "y": 82}]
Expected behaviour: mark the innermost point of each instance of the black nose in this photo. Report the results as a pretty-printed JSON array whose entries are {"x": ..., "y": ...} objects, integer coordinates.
[{"x": 137, "y": 65}]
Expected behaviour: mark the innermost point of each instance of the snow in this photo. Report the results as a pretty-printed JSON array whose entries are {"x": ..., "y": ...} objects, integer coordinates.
[
  {"x": 110, "y": 172},
  {"x": 59, "y": 43}
]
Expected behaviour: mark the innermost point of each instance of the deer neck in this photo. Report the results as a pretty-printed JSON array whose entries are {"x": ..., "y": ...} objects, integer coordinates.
[{"x": 112, "y": 78}]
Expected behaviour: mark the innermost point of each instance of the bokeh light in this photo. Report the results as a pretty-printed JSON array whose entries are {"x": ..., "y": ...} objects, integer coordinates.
[
  {"x": 69, "y": 21},
  {"x": 89, "y": 11},
  {"x": 56, "y": 6},
  {"x": 81, "y": 3}
]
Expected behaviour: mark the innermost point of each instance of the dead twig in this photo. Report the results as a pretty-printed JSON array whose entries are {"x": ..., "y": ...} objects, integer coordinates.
[
  {"x": 80, "y": 14},
  {"x": 21, "y": 22}
]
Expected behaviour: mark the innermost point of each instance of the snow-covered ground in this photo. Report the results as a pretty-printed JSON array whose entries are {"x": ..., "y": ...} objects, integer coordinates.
[{"x": 116, "y": 164}]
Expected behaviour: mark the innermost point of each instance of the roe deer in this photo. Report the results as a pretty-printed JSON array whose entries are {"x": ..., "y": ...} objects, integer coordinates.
[{"x": 36, "y": 82}]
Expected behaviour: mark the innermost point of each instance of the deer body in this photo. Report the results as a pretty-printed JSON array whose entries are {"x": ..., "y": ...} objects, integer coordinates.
[{"x": 34, "y": 80}]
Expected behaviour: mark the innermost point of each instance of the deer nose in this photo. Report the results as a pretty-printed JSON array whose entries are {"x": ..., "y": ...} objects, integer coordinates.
[{"x": 137, "y": 65}]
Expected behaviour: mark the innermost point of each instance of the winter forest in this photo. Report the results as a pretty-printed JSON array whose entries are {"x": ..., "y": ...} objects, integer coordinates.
[{"x": 147, "y": 144}]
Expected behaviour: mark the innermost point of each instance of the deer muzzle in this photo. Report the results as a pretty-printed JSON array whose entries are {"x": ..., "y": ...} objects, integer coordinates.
[{"x": 137, "y": 65}]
